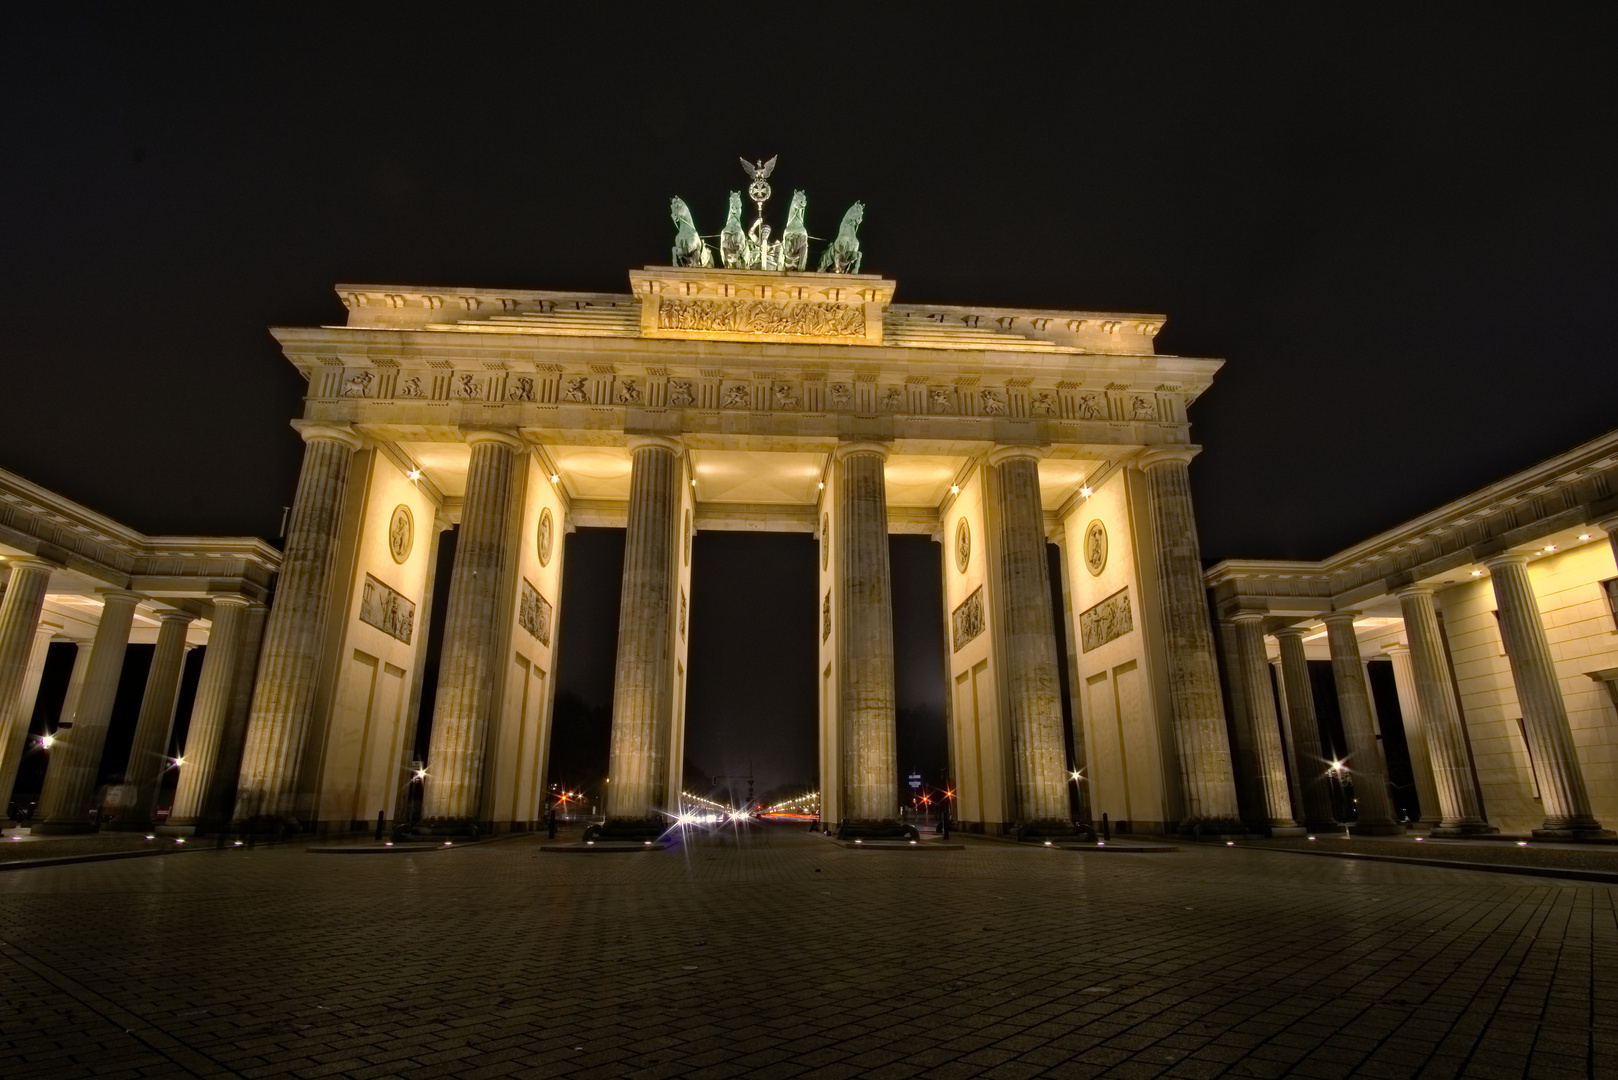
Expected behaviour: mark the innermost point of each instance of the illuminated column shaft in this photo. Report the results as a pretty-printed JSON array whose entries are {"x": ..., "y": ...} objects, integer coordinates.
[
  {"x": 20, "y": 631},
  {"x": 468, "y": 671},
  {"x": 284, "y": 695},
  {"x": 70, "y": 782},
  {"x": 641, "y": 704},
  {"x": 1439, "y": 736},
  {"x": 215, "y": 691},
  {"x": 1550, "y": 738},
  {"x": 1198, "y": 712},
  {"x": 148, "y": 753},
  {"x": 221, "y": 798},
  {"x": 1262, "y": 720},
  {"x": 1354, "y": 705},
  {"x": 1415, "y": 729},
  {"x": 864, "y": 609},
  {"x": 1311, "y": 763},
  {"x": 1033, "y": 685}
]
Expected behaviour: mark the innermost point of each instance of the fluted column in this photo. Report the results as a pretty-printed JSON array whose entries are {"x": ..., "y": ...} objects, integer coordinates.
[
  {"x": 469, "y": 667},
  {"x": 1371, "y": 798},
  {"x": 1438, "y": 732},
  {"x": 1568, "y": 813},
  {"x": 1313, "y": 781},
  {"x": 864, "y": 610},
  {"x": 1263, "y": 722},
  {"x": 1410, "y": 714},
  {"x": 642, "y": 701},
  {"x": 284, "y": 695},
  {"x": 148, "y": 757},
  {"x": 70, "y": 782},
  {"x": 220, "y": 802},
  {"x": 1193, "y": 674},
  {"x": 19, "y": 642},
  {"x": 215, "y": 691},
  {"x": 1033, "y": 685}
]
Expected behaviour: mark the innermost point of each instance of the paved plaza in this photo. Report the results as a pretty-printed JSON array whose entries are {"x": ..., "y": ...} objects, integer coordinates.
[{"x": 779, "y": 954}]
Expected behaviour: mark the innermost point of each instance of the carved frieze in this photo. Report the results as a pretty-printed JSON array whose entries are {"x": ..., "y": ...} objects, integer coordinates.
[
  {"x": 534, "y": 614},
  {"x": 762, "y": 317},
  {"x": 578, "y": 389},
  {"x": 738, "y": 396},
  {"x": 358, "y": 385},
  {"x": 680, "y": 393},
  {"x": 410, "y": 388},
  {"x": 628, "y": 393},
  {"x": 1107, "y": 621},
  {"x": 963, "y": 545},
  {"x": 893, "y": 399},
  {"x": 825, "y": 617},
  {"x": 522, "y": 389},
  {"x": 785, "y": 398},
  {"x": 993, "y": 402},
  {"x": 966, "y": 622},
  {"x": 467, "y": 386},
  {"x": 1042, "y": 405},
  {"x": 1091, "y": 407},
  {"x": 1095, "y": 547},
  {"x": 682, "y": 614},
  {"x": 387, "y": 609}
]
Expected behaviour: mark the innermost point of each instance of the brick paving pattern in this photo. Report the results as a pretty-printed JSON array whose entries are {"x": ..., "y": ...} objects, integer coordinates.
[{"x": 786, "y": 956}]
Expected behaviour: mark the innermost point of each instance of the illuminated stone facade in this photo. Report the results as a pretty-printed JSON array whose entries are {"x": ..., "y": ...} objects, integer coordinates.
[{"x": 747, "y": 400}]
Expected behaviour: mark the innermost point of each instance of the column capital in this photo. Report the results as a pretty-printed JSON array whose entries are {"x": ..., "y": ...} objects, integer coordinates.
[
  {"x": 1396, "y": 648},
  {"x": 109, "y": 595},
  {"x": 1414, "y": 590},
  {"x": 655, "y": 442},
  {"x": 1293, "y": 632},
  {"x": 504, "y": 436},
  {"x": 1167, "y": 455},
  {"x": 340, "y": 433},
  {"x": 229, "y": 600},
  {"x": 1248, "y": 617},
  {"x": 1609, "y": 525},
  {"x": 175, "y": 615},
  {"x": 1504, "y": 558},
  {"x": 1340, "y": 617},
  {"x": 862, "y": 446},
  {"x": 30, "y": 562},
  {"x": 1007, "y": 453}
]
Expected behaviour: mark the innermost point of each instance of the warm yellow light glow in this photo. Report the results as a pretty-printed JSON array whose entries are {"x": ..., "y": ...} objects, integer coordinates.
[
  {"x": 1584, "y": 536},
  {"x": 555, "y": 479},
  {"x": 413, "y": 475},
  {"x": 955, "y": 489},
  {"x": 1550, "y": 547},
  {"x": 1086, "y": 491},
  {"x": 1477, "y": 573},
  {"x": 47, "y": 741}
]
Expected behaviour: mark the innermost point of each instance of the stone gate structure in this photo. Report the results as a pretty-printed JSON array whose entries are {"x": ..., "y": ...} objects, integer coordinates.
[{"x": 709, "y": 398}]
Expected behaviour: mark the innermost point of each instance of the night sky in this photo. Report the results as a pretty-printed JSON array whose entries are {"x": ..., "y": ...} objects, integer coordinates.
[{"x": 1396, "y": 224}]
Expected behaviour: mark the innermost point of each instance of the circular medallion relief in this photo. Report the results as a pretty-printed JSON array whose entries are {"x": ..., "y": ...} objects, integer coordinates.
[
  {"x": 1095, "y": 547},
  {"x": 547, "y": 536},
  {"x": 688, "y": 538},
  {"x": 401, "y": 533},
  {"x": 825, "y": 541},
  {"x": 963, "y": 545}
]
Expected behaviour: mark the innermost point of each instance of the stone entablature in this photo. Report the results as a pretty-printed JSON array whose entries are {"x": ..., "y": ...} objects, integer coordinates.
[
  {"x": 572, "y": 314},
  {"x": 796, "y": 308},
  {"x": 41, "y": 523},
  {"x": 1521, "y": 511}
]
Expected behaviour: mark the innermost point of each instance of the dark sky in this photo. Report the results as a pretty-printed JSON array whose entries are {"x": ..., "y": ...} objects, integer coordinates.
[{"x": 1396, "y": 222}]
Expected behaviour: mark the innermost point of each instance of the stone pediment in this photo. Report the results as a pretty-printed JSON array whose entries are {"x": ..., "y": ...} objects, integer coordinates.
[{"x": 708, "y": 304}]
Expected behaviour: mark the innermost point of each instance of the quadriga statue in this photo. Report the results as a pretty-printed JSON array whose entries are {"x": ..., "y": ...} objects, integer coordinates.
[
  {"x": 843, "y": 257},
  {"x": 795, "y": 237},
  {"x": 690, "y": 249}
]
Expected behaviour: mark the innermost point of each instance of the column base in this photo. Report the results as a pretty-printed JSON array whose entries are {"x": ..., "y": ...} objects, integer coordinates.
[
  {"x": 441, "y": 827},
  {"x": 127, "y": 826},
  {"x": 1047, "y": 830},
  {"x": 850, "y": 829},
  {"x": 1288, "y": 830},
  {"x": 1465, "y": 828},
  {"x": 637, "y": 830},
  {"x": 64, "y": 828},
  {"x": 1213, "y": 829},
  {"x": 1376, "y": 828},
  {"x": 1586, "y": 832}
]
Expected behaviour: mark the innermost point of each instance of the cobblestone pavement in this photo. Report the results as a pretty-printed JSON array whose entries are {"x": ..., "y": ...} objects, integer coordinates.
[{"x": 786, "y": 956}]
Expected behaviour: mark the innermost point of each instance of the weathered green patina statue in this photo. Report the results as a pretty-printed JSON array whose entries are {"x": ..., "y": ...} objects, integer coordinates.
[
  {"x": 690, "y": 249},
  {"x": 734, "y": 247},
  {"x": 794, "y": 250},
  {"x": 751, "y": 249},
  {"x": 843, "y": 257}
]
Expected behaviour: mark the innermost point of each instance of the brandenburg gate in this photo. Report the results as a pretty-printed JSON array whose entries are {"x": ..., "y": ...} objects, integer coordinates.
[{"x": 753, "y": 395}]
